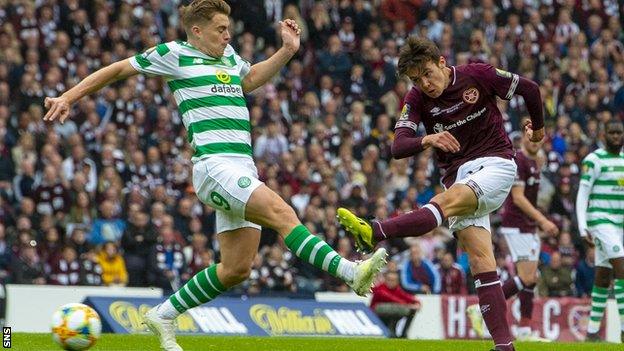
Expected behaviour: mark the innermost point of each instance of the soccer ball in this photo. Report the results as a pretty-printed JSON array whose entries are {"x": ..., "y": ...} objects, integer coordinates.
[{"x": 76, "y": 327}]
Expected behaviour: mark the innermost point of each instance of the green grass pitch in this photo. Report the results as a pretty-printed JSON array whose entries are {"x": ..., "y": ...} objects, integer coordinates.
[{"x": 41, "y": 342}]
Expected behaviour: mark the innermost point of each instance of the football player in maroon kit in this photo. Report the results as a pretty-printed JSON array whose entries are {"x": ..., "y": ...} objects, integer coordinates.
[
  {"x": 457, "y": 106},
  {"x": 520, "y": 220}
]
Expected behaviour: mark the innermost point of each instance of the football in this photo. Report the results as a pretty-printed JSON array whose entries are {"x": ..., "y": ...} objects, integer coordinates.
[{"x": 76, "y": 327}]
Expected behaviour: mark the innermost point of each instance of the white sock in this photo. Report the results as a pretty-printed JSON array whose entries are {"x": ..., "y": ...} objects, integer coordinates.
[
  {"x": 167, "y": 311},
  {"x": 346, "y": 270}
]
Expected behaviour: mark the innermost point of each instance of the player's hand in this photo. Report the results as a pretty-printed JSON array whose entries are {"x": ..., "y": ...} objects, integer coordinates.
[
  {"x": 291, "y": 34},
  {"x": 58, "y": 107},
  {"x": 534, "y": 135},
  {"x": 588, "y": 239},
  {"x": 549, "y": 227},
  {"x": 444, "y": 141}
]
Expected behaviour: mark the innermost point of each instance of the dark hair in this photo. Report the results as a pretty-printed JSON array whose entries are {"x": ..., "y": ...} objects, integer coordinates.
[
  {"x": 416, "y": 53},
  {"x": 199, "y": 11},
  {"x": 612, "y": 121}
]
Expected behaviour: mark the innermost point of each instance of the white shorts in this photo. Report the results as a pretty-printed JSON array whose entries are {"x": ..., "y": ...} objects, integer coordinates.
[
  {"x": 491, "y": 179},
  {"x": 226, "y": 183},
  {"x": 608, "y": 243},
  {"x": 522, "y": 246}
]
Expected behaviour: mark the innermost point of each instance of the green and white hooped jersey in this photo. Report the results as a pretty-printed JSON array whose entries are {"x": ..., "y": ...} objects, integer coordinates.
[
  {"x": 604, "y": 173},
  {"x": 209, "y": 94}
]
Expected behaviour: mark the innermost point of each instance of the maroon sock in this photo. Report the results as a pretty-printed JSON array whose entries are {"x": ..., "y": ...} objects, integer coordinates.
[
  {"x": 512, "y": 286},
  {"x": 415, "y": 223},
  {"x": 526, "y": 305},
  {"x": 494, "y": 309}
]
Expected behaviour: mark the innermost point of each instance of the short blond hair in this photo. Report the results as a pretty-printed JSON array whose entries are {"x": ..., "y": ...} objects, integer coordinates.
[{"x": 200, "y": 11}]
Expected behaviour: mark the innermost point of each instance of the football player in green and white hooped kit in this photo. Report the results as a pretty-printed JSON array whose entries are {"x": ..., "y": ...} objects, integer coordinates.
[
  {"x": 208, "y": 80},
  {"x": 600, "y": 214}
]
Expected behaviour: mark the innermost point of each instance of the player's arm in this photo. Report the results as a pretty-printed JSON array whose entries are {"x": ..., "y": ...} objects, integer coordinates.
[
  {"x": 261, "y": 72},
  {"x": 530, "y": 91},
  {"x": 407, "y": 143},
  {"x": 582, "y": 197},
  {"x": 59, "y": 107},
  {"x": 521, "y": 201},
  {"x": 506, "y": 84}
]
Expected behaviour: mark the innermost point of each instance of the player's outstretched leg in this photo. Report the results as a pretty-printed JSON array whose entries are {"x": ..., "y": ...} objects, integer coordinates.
[
  {"x": 368, "y": 234},
  {"x": 268, "y": 209},
  {"x": 312, "y": 249}
]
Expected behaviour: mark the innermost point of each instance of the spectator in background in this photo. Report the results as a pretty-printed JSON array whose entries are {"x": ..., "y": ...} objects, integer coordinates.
[
  {"x": 182, "y": 218},
  {"x": 401, "y": 10},
  {"x": 452, "y": 276},
  {"x": 137, "y": 241},
  {"x": 66, "y": 269},
  {"x": 90, "y": 269},
  {"x": 419, "y": 275},
  {"x": 107, "y": 227},
  {"x": 195, "y": 254},
  {"x": 166, "y": 265},
  {"x": 585, "y": 272},
  {"x": 50, "y": 249},
  {"x": 28, "y": 267},
  {"x": 271, "y": 144},
  {"x": 81, "y": 212},
  {"x": 113, "y": 265},
  {"x": 333, "y": 61},
  {"x": 556, "y": 279},
  {"x": 78, "y": 240},
  {"x": 51, "y": 196},
  {"x": 391, "y": 303},
  {"x": 5, "y": 254},
  {"x": 275, "y": 273}
]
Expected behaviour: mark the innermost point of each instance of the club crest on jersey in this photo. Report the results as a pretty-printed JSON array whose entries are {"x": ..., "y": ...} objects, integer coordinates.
[
  {"x": 223, "y": 77},
  {"x": 471, "y": 95},
  {"x": 438, "y": 128},
  {"x": 404, "y": 112}
]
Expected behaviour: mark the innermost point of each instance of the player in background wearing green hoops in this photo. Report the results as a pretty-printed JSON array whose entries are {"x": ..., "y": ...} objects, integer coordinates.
[
  {"x": 208, "y": 80},
  {"x": 600, "y": 213}
]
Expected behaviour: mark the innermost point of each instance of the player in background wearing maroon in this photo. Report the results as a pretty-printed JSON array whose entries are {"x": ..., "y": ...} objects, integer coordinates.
[
  {"x": 457, "y": 106},
  {"x": 520, "y": 221}
]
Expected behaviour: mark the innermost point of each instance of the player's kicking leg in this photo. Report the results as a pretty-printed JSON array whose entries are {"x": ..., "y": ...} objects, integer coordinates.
[
  {"x": 458, "y": 200},
  {"x": 481, "y": 187},
  {"x": 268, "y": 209}
]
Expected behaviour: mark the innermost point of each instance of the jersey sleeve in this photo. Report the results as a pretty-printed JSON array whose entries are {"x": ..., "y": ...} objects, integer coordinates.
[
  {"x": 410, "y": 116},
  {"x": 160, "y": 60},
  {"x": 590, "y": 170},
  {"x": 500, "y": 82},
  {"x": 245, "y": 66}
]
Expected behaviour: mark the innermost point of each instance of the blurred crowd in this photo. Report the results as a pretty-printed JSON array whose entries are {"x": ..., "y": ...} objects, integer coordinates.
[{"x": 106, "y": 197}]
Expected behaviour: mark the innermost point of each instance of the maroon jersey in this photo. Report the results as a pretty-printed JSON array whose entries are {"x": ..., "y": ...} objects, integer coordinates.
[
  {"x": 467, "y": 109},
  {"x": 528, "y": 175},
  {"x": 453, "y": 280}
]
